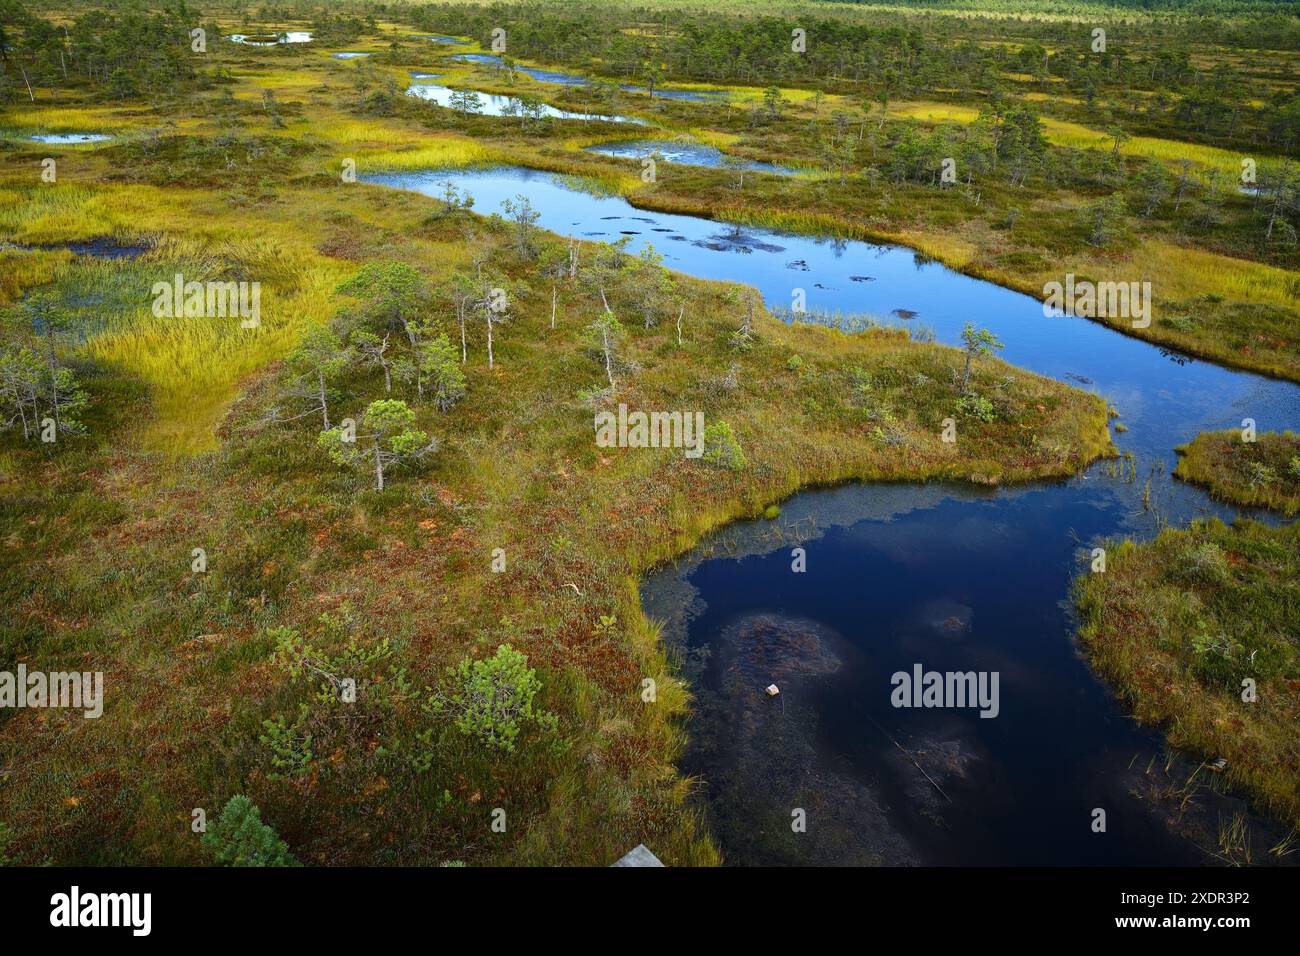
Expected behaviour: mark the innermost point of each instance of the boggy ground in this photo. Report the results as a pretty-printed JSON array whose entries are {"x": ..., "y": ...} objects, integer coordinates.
[
  {"x": 1220, "y": 289},
  {"x": 1198, "y": 629},
  {"x": 1263, "y": 471},
  {"x": 99, "y": 531},
  {"x": 243, "y": 179}
]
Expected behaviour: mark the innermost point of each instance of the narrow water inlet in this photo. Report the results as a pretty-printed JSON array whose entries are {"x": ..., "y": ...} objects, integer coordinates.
[{"x": 682, "y": 153}]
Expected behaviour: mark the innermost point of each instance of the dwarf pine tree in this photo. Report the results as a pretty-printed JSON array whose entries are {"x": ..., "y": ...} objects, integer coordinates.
[
  {"x": 240, "y": 838},
  {"x": 651, "y": 284},
  {"x": 319, "y": 359},
  {"x": 721, "y": 448},
  {"x": 390, "y": 438},
  {"x": 40, "y": 395},
  {"x": 604, "y": 336},
  {"x": 976, "y": 342},
  {"x": 553, "y": 265},
  {"x": 392, "y": 295},
  {"x": 21, "y": 373},
  {"x": 1104, "y": 219},
  {"x": 438, "y": 373},
  {"x": 493, "y": 699}
]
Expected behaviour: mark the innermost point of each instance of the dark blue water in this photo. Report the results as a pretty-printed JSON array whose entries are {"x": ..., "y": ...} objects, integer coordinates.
[
  {"x": 950, "y": 577},
  {"x": 542, "y": 76},
  {"x": 958, "y": 585},
  {"x": 686, "y": 154},
  {"x": 689, "y": 96}
]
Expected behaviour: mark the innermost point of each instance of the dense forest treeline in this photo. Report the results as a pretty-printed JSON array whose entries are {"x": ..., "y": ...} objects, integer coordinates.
[{"x": 128, "y": 50}]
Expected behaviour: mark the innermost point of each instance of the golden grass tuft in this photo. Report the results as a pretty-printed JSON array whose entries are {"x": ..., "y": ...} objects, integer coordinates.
[
  {"x": 1179, "y": 622},
  {"x": 1264, "y": 473}
]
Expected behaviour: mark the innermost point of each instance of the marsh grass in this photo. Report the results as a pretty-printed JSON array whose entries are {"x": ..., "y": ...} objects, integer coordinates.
[
  {"x": 1211, "y": 302},
  {"x": 1264, "y": 473},
  {"x": 186, "y": 448},
  {"x": 106, "y": 527},
  {"x": 22, "y": 122},
  {"x": 1168, "y": 151},
  {"x": 1178, "y": 623},
  {"x": 430, "y": 155}
]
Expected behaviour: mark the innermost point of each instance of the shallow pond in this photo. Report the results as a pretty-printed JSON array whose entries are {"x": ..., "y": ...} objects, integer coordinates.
[
  {"x": 951, "y": 577},
  {"x": 686, "y": 154},
  {"x": 541, "y": 75},
  {"x": 256, "y": 39},
  {"x": 690, "y": 96},
  {"x": 349, "y": 55},
  {"x": 577, "y": 79},
  {"x": 494, "y": 104},
  {"x": 97, "y": 248},
  {"x": 69, "y": 139}
]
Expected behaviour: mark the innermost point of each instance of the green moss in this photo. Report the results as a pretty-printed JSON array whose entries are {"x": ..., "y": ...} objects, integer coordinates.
[
  {"x": 101, "y": 533},
  {"x": 1259, "y": 473},
  {"x": 1200, "y": 631}
]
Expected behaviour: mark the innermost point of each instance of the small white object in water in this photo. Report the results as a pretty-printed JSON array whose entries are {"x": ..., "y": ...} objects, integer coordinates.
[
  {"x": 773, "y": 690},
  {"x": 1219, "y": 764}
]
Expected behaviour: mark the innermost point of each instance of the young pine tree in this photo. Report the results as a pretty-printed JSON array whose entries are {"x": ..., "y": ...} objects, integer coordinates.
[
  {"x": 240, "y": 838},
  {"x": 390, "y": 439}
]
